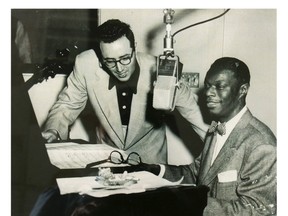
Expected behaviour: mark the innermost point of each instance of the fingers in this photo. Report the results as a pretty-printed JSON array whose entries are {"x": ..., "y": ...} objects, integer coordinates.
[{"x": 49, "y": 136}]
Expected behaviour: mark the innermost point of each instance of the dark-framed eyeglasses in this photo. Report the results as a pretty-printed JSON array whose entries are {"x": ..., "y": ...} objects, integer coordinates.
[
  {"x": 111, "y": 63},
  {"x": 116, "y": 157}
]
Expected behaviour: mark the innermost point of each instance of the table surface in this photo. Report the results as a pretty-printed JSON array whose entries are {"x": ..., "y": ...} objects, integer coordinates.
[{"x": 172, "y": 200}]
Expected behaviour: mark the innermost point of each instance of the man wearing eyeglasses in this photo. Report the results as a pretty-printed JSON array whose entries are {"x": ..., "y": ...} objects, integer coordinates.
[{"x": 118, "y": 81}]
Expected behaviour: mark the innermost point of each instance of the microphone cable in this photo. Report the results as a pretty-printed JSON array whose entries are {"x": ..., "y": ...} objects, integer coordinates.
[{"x": 204, "y": 21}]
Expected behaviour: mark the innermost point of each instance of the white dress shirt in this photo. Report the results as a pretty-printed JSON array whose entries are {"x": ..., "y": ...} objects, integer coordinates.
[{"x": 221, "y": 139}]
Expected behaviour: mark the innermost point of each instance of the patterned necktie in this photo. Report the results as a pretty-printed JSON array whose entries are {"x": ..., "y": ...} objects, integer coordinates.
[{"x": 219, "y": 128}]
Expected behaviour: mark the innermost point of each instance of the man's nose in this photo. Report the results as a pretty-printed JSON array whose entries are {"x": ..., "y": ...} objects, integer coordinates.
[
  {"x": 119, "y": 66},
  {"x": 210, "y": 91}
]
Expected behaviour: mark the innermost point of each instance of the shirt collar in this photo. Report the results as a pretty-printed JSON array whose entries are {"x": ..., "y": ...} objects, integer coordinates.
[
  {"x": 232, "y": 122},
  {"x": 131, "y": 83}
]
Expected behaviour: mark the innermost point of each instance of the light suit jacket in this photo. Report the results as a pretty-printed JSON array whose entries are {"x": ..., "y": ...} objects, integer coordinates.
[
  {"x": 242, "y": 179},
  {"x": 146, "y": 132}
]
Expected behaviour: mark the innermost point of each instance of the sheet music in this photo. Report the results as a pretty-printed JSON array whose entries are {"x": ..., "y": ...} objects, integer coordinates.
[{"x": 72, "y": 155}]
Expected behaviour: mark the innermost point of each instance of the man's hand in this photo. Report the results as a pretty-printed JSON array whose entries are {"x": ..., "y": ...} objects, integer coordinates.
[
  {"x": 50, "y": 135},
  {"x": 153, "y": 168}
]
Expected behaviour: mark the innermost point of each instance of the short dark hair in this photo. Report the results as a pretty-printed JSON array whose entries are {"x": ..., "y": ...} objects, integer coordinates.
[
  {"x": 112, "y": 30},
  {"x": 238, "y": 67}
]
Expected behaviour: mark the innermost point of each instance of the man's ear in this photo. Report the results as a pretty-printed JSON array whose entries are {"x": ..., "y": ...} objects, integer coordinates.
[{"x": 243, "y": 91}]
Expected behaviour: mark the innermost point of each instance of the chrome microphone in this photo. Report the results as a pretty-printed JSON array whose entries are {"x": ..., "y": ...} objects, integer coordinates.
[{"x": 168, "y": 70}]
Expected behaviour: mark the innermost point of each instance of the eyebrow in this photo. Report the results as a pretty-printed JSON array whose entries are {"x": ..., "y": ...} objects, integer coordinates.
[
  {"x": 216, "y": 82},
  {"x": 123, "y": 56}
]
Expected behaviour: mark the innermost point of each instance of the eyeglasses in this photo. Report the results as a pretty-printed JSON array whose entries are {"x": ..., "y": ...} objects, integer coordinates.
[
  {"x": 116, "y": 157},
  {"x": 110, "y": 63}
]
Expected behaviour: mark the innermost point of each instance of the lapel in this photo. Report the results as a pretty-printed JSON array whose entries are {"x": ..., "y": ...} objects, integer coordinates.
[
  {"x": 107, "y": 101},
  {"x": 209, "y": 173},
  {"x": 205, "y": 156},
  {"x": 138, "y": 109}
]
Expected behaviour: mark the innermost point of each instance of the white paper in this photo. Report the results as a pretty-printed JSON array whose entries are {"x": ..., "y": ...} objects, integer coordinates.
[
  {"x": 72, "y": 155},
  {"x": 88, "y": 185}
]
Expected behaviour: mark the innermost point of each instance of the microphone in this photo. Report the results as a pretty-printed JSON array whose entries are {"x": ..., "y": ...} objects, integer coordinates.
[
  {"x": 168, "y": 70},
  {"x": 166, "y": 84}
]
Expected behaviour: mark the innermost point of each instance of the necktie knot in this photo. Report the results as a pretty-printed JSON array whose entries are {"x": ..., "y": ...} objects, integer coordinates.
[{"x": 217, "y": 128}]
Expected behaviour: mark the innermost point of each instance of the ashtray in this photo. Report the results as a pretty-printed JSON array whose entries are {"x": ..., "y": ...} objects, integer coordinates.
[{"x": 107, "y": 178}]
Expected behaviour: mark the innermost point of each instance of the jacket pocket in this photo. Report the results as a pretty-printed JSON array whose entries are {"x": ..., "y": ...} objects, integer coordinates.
[{"x": 226, "y": 190}]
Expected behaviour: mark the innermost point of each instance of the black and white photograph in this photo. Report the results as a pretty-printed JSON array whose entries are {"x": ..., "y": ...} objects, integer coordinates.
[{"x": 144, "y": 111}]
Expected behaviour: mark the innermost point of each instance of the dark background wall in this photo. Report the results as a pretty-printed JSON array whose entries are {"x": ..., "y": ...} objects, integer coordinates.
[{"x": 57, "y": 29}]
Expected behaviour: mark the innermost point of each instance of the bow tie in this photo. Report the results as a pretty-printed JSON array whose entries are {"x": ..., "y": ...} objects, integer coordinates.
[{"x": 219, "y": 128}]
